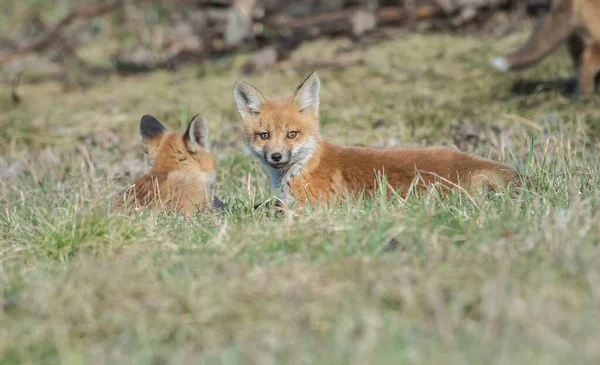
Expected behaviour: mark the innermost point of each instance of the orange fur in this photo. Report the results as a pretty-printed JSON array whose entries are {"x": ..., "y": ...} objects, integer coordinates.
[
  {"x": 182, "y": 169},
  {"x": 315, "y": 170},
  {"x": 574, "y": 22}
]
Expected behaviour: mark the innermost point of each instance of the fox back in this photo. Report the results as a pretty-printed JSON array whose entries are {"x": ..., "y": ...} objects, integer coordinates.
[
  {"x": 183, "y": 169},
  {"x": 283, "y": 133}
]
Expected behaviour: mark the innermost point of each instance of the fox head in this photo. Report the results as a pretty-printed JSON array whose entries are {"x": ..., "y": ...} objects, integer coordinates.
[
  {"x": 282, "y": 132},
  {"x": 171, "y": 152}
]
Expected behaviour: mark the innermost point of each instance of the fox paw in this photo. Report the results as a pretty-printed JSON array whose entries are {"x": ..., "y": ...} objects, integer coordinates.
[
  {"x": 274, "y": 202},
  {"x": 277, "y": 205},
  {"x": 219, "y": 205},
  {"x": 592, "y": 99},
  {"x": 585, "y": 96}
]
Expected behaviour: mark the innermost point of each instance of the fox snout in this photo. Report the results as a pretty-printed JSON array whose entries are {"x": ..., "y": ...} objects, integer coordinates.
[{"x": 277, "y": 159}]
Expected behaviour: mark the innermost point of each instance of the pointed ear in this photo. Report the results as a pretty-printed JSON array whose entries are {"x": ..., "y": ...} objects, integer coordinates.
[
  {"x": 249, "y": 100},
  {"x": 196, "y": 135},
  {"x": 307, "y": 95},
  {"x": 150, "y": 128}
]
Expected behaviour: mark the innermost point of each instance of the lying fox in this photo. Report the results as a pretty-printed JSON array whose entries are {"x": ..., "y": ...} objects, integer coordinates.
[
  {"x": 182, "y": 172},
  {"x": 576, "y": 22},
  {"x": 283, "y": 133}
]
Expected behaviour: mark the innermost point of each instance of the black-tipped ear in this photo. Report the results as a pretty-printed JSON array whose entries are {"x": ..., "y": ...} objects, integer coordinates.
[
  {"x": 249, "y": 100},
  {"x": 150, "y": 128},
  {"x": 196, "y": 134},
  {"x": 307, "y": 95}
]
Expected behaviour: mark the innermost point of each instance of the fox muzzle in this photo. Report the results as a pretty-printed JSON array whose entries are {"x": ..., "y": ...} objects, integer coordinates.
[{"x": 277, "y": 159}]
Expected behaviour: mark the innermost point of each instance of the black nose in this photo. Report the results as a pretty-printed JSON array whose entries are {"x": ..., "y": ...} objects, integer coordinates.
[{"x": 276, "y": 157}]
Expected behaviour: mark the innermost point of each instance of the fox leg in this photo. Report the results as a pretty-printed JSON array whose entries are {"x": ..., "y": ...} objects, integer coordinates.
[
  {"x": 286, "y": 198},
  {"x": 590, "y": 61},
  {"x": 551, "y": 31},
  {"x": 576, "y": 47}
]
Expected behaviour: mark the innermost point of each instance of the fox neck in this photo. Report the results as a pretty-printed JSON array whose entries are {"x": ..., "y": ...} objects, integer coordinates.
[{"x": 302, "y": 157}]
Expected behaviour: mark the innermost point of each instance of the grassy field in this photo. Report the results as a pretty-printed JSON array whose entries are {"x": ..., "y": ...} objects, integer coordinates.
[{"x": 498, "y": 279}]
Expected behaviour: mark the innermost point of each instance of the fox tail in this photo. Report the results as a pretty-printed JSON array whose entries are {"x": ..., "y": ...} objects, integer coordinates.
[{"x": 552, "y": 30}]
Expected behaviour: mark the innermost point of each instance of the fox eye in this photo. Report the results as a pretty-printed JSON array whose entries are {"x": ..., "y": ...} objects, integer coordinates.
[
  {"x": 292, "y": 134},
  {"x": 265, "y": 135}
]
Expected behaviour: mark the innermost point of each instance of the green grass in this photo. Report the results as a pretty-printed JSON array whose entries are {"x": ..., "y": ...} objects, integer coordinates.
[{"x": 512, "y": 278}]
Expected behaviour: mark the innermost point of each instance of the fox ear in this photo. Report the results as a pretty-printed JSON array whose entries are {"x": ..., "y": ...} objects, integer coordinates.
[
  {"x": 196, "y": 135},
  {"x": 150, "y": 132},
  {"x": 249, "y": 100},
  {"x": 150, "y": 128},
  {"x": 307, "y": 95}
]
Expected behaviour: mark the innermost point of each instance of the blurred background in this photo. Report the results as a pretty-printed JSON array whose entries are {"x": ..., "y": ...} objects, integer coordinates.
[{"x": 73, "y": 40}]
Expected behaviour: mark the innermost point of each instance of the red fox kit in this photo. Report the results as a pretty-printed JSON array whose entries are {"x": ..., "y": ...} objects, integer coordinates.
[
  {"x": 576, "y": 22},
  {"x": 283, "y": 133},
  {"x": 182, "y": 168}
]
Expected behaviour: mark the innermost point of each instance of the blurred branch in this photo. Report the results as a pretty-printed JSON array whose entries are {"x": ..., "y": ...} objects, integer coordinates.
[
  {"x": 54, "y": 32},
  {"x": 199, "y": 30},
  {"x": 355, "y": 21}
]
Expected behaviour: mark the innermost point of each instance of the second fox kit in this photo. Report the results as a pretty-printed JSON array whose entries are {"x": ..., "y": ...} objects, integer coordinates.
[
  {"x": 574, "y": 22},
  {"x": 182, "y": 168},
  {"x": 283, "y": 133}
]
